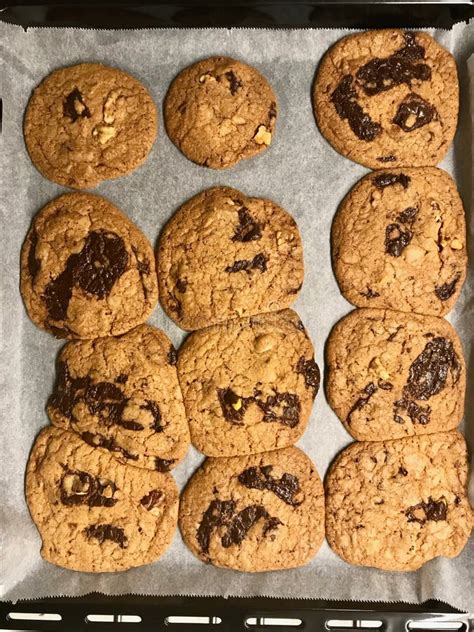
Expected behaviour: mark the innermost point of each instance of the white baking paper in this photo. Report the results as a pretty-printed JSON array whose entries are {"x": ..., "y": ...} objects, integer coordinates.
[{"x": 301, "y": 172}]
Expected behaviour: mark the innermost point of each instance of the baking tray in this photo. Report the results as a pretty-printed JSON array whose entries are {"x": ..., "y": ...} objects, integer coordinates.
[{"x": 141, "y": 613}]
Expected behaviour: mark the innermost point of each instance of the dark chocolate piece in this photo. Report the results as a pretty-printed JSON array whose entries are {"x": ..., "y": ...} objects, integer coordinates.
[
  {"x": 152, "y": 499},
  {"x": 286, "y": 487},
  {"x": 396, "y": 239},
  {"x": 218, "y": 514},
  {"x": 418, "y": 414},
  {"x": 235, "y": 83},
  {"x": 248, "y": 229},
  {"x": 81, "y": 488},
  {"x": 369, "y": 293},
  {"x": 368, "y": 391},
  {"x": 103, "y": 532},
  {"x": 445, "y": 291},
  {"x": 233, "y": 406},
  {"x": 389, "y": 179},
  {"x": 242, "y": 523},
  {"x": 172, "y": 356},
  {"x": 310, "y": 370},
  {"x": 435, "y": 510},
  {"x": 154, "y": 409},
  {"x": 283, "y": 408},
  {"x": 97, "y": 440},
  {"x": 71, "y": 110},
  {"x": 181, "y": 285},
  {"x": 259, "y": 262},
  {"x": 34, "y": 264},
  {"x": 390, "y": 158},
  {"x": 429, "y": 371},
  {"x": 163, "y": 465},
  {"x": 345, "y": 101},
  {"x": 414, "y": 112},
  {"x": 408, "y": 216}
]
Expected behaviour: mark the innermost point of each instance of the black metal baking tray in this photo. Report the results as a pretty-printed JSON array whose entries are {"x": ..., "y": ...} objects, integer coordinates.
[{"x": 182, "y": 614}]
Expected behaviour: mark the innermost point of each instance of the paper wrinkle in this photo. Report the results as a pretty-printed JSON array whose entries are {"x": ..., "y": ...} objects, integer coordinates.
[{"x": 302, "y": 173}]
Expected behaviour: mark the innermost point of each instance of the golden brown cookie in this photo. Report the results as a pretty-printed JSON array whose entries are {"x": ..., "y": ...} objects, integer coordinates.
[
  {"x": 399, "y": 242},
  {"x": 122, "y": 394},
  {"x": 249, "y": 384},
  {"x": 220, "y": 111},
  {"x": 395, "y": 505},
  {"x": 388, "y": 98},
  {"x": 86, "y": 270},
  {"x": 391, "y": 375},
  {"x": 254, "y": 513},
  {"x": 88, "y": 123},
  {"x": 93, "y": 513},
  {"x": 225, "y": 255}
]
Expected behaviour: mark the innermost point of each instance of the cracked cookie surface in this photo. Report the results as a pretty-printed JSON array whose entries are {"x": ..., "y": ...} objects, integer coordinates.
[
  {"x": 224, "y": 255},
  {"x": 249, "y": 384},
  {"x": 86, "y": 270},
  {"x": 93, "y": 513},
  {"x": 254, "y": 513},
  {"x": 220, "y": 111},
  {"x": 122, "y": 394},
  {"x": 399, "y": 242},
  {"x": 391, "y": 375},
  {"x": 395, "y": 505},
  {"x": 88, "y": 123},
  {"x": 388, "y": 97}
]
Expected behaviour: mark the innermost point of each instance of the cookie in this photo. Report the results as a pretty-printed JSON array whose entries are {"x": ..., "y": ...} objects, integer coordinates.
[
  {"x": 220, "y": 111},
  {"x": 86, "y": 269},
  {"x": 249, "y": 384},
  {"x": 122, "y": 394},
  {"x": 388, "y": 97},
  {"x": 396, "y": 504},
  {"x": 399, "y": 242},
  {"x": 224, "y": 255},
  {"x": 88, "y": 123},
  {"x": 254, "y": 513},
  {"x": 391, "y": 375},
  {"x": 93, "y": 513}
]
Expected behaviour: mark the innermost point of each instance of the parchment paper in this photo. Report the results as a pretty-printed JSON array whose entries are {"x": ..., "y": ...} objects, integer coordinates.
[{"x": 301, "y": 172}]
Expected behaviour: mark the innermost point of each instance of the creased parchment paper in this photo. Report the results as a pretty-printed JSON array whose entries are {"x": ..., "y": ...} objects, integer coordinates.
[{"x": 301, "y": 172}]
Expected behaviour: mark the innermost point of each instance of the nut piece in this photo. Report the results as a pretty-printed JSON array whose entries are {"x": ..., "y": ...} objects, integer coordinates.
[
  {"x": 105, "y": 133},
  {"x": 263, "y": 136},
  {"x": 78, "y": 106},
  {"x": 238, "y": 120},
  {"x": 413, "y": 253},
  {"x": 204, "y": 78},
  {"x": 456, "y": 244},
  {"x": 109, "y": 106},
  {"x": 263, "y": 343},
  {"x": 73, "y": 484}
]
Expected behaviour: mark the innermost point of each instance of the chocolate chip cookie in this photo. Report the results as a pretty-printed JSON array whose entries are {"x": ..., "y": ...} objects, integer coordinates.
[
  {"x": 220, "y": 111},
  {"x": 254, "y": 513},
  {"x": 88, "y": 123},
  {"x": 388, "y": 98},
  {"x": 399, "y": 242},
  {"x": 122, "y": 394},
  {"x": 396, "y": 504},
  {"x": 224, "y": 255},
  {"x": 86, "y": 269},
  {"x": 391, "y": 374},
  {"x": 249, "y": 384},
  {"x": 94, "y": 514}
]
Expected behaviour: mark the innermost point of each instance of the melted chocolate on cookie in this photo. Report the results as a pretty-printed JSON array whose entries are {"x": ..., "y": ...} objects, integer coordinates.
[
  {"x": 286, "y": 487},
  {"x": 259, "y": 262},
  {"x": 368, "y": 391},
  {"x": 81, "y": 488},
  {"x": 347, "y": 106},
  {"x": 248, "y": 229},
  {"x": 435, "y": 510},
  {"x": 310, "y": 370},
  {"x": 103, "y": 532},
  {"x": 74, "y": 106},
  {"x": 414, "y": 112},
  {"x": 429, "y": 371}
]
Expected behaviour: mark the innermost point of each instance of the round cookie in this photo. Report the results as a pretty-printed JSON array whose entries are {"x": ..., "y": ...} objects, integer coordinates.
[
  {"x": 86, "y": 270},
  {"x": 391, "y": 375},
  {"x": 220, "y": 111},
  {"x": 88, "y": 123},
  {"x": 395, "y": 505},
  {"x": 388, "y": 97},
  {"x": 224, "y": 255},
  {"x": 254, "y": 513},
  {"x": 399, "y": 242},
  {"x": 248, "y": 385},
  {"x": 122, "y": 394},
  {"x": 94, "y": 514}
]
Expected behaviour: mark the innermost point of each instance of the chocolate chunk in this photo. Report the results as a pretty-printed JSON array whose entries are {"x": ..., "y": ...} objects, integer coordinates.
[
  {"x": 286, "y": 487},
  {"x": 389, "y": 179},
  {"x": 163, "y": 465},
  {"x": 368, "y": 391},
  {"x": 418, "y": 414},
  {"x": 34, "y": 264},
  {"x": 103, "y": 532},
  {"x": 295, "y": 290},
  {"x": 385, "y": 386},
  {"x": 248, "y": 229},
  {"x": 74, "y": 106},
  {"x": 218, "y": 514},
  {"x": 310, "y": 370},
  {"x": 99, "y": 441},
  {"x": 445, "y": 291},
  {"x": 379, "y": 75},
  {"x": 414, "y": 112},
  {"x": 244, "y": 521},
  {"x": 81, "y": 488},
  {"x": 345, "y": 101},
  {"x": 390, "y": 158},
  {"x": 283, "y": 408},
  {"x": 101, "y": 262},
  {"x": 122, "y": 378},
  {"x": 270, "y": 525},
  {"x": 434, "y": 510},
  {"x": 154, "y": 409},
  {"x": 396, "y": 239},
  {"x": 67, "y": 390},
  {"x": 408, "y": 216},
  {"x": 369, "y": 293},
  {"x": 175, "y": 305},
  {"x": 402, "y": 471},
  {"x": 233, "y": 406},
  {"x": 172, "y": 356},
  {"x": 107, "y": 401},
  {"x": 235, "y": 84},
  {"x": 428, "y": 373},
  {"x": 259, "y": 262},
  {"x": 181, "y": 285},
  {"x": 152, "y": 499}
]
